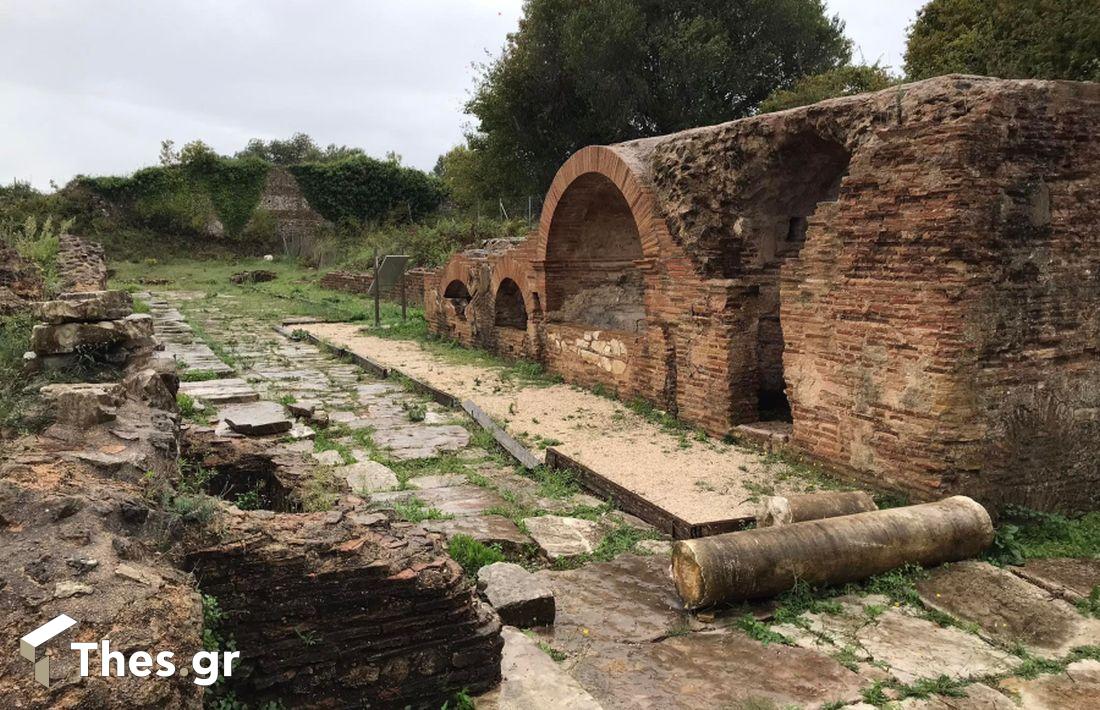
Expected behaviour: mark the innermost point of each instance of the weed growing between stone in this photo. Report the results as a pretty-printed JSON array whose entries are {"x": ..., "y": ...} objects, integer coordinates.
[
  {"x": 760, "y": 631},
  {"x": 459, "y": 701},
  {"x": 472, "y": 555},
  {"x": 15, "y": 394},
  {"x": 198, "y": 376},
  {"x": 189, "y": 408},
  {"x": 415, "y": 510},
  {"x": 327, "y": 440}
]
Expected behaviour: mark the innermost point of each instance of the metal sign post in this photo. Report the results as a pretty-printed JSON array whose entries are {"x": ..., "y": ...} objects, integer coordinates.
[
  {"x": 387, "y": 274},
  {"x": 377, "y": 295}
]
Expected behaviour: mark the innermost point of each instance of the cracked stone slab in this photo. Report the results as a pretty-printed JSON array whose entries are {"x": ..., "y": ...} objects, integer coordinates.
[
  {"x": 1071, "y": 578},
  {"x": 630, "y": 599},
  {"x": 230, "y": 390},
  {"x": 422, "y": 442},
  {"x": 1076, "y": 689},
  {"x": 711, "y": 670},
  {"x": 486, "y": 529},
  {"x": 445, "y": 480},
  {"x": 559, "y": 537},
  {"x": 531, "y": 680},
  {"x": 366, "y": 477},
  {"x": 915, "y": 648},
  {"x": 374, "y": 390},
  {"x": 257, "y": 418},
  {"x": 459, "y": 501},
  {"x": 1008, "y": 608}
]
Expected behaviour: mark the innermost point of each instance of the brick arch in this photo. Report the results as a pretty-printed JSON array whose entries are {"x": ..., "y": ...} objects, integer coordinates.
[
  {"x": 507, "y": 268},
  {"x": 456, "y": 270},
  {"x": 625, "y": 174}
]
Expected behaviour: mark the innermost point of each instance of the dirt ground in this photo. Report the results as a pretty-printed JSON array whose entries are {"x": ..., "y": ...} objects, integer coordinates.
[{"x": 713, "y": 481}]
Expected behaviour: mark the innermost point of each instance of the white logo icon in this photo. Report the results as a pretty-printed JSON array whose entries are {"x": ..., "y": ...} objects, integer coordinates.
[{"x": 29, "y": 645}]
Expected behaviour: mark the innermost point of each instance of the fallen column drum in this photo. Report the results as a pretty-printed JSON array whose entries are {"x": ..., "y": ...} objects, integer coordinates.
[{"x": 765, "y": 562}]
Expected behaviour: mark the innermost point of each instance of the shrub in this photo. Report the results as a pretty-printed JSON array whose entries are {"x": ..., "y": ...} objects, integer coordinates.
[{"x": 362, "y": 189}]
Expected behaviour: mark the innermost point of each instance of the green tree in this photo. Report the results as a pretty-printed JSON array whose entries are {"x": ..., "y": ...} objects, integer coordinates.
[
  {"x": 463, "y": 174},
  {"x": 842, "y": 81},
  {"x": 299, "y": 148},
  {"x": 1014, "y": 39},
  {"x": 581, "y": 72}
]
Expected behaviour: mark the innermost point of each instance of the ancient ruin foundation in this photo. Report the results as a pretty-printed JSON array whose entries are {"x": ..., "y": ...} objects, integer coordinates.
[{"x": 906, "y": 284}]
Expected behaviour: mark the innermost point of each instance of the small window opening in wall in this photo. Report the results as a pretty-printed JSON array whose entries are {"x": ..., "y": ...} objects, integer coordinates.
[{"x": 796, "y": 229}]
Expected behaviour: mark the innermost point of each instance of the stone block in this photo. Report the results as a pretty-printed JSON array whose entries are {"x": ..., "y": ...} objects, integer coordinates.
[
  {"x": 257, "y": 418},
  {"x": 520, "y": 598},
  {"x": 84, "y": 307},
  {"x": 132, "y": 333},
  {"x": 85, "y": 404}
]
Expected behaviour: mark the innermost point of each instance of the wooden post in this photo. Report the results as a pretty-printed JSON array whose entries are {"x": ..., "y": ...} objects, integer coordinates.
[
  {"x": 764, "y": 562},
  {"x": 377, "y": 295}
]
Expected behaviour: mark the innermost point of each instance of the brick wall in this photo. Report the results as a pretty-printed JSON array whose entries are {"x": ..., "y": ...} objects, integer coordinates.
[
  {"x": 912, "y": 276},
  {"x": 359, "y": 282}
]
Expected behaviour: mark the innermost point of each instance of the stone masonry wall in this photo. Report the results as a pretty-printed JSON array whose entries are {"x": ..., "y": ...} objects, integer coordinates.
[{"x": 911, "y": 274}]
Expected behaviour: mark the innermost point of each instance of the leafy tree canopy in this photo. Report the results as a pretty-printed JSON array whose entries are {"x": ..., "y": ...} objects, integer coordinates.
[
  {"x": 842, "y": 81},
  {"x": 299, "y": 148},
  {"x": 581, "y": 72},
  {"x": 1013, "y": 39}
]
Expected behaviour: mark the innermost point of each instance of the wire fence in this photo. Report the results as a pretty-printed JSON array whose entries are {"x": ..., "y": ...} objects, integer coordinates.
[{"x": 527, "y": 208}]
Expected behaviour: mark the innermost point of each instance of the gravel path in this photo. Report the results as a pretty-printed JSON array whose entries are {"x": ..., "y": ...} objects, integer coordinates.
[{"x": 699, "y": 481}]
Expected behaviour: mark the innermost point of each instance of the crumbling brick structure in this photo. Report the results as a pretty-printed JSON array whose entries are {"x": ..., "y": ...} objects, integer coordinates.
[{"x": 910, "y": 278}]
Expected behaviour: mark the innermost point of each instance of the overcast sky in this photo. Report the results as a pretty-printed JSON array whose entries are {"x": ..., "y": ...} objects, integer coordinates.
[{"x": 93, "y": 87}]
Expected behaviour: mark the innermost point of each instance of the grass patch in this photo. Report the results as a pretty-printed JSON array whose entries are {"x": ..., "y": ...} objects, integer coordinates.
[
  {"x": 415, "y": 510},
  {"x": 472, "y": 555},
  {"x": 803, "y": 599},
  {"x": 1091, "y": 605},
  {"x": 326, "y": 440},
  {"x": 621, "y": 539},
  {"x": 1029, "y": 534},
  {"x": 760, "y": 631},
  {"x": 198, "y": 376}
]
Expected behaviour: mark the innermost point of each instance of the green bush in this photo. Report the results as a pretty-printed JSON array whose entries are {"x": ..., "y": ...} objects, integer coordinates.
[
  {"x": 361, "y": 189},
  {"x": 427, "y": 244},
  {"x": 182, "y": 199}
]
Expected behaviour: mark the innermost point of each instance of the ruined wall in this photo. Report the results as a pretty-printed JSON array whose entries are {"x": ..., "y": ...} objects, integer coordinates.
[
  {"x": 21, "y": 281},
  {"x": 282, "y": 201},
  {"x": 907, "y": 277},
  {"x": 330, "y": 612},
  {"x": 81, "y": 264},
  {"x": 359, "y": 282}
]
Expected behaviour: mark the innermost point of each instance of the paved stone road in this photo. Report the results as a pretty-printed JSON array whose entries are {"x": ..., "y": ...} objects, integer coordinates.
[{"x": 621, "y": 639}]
